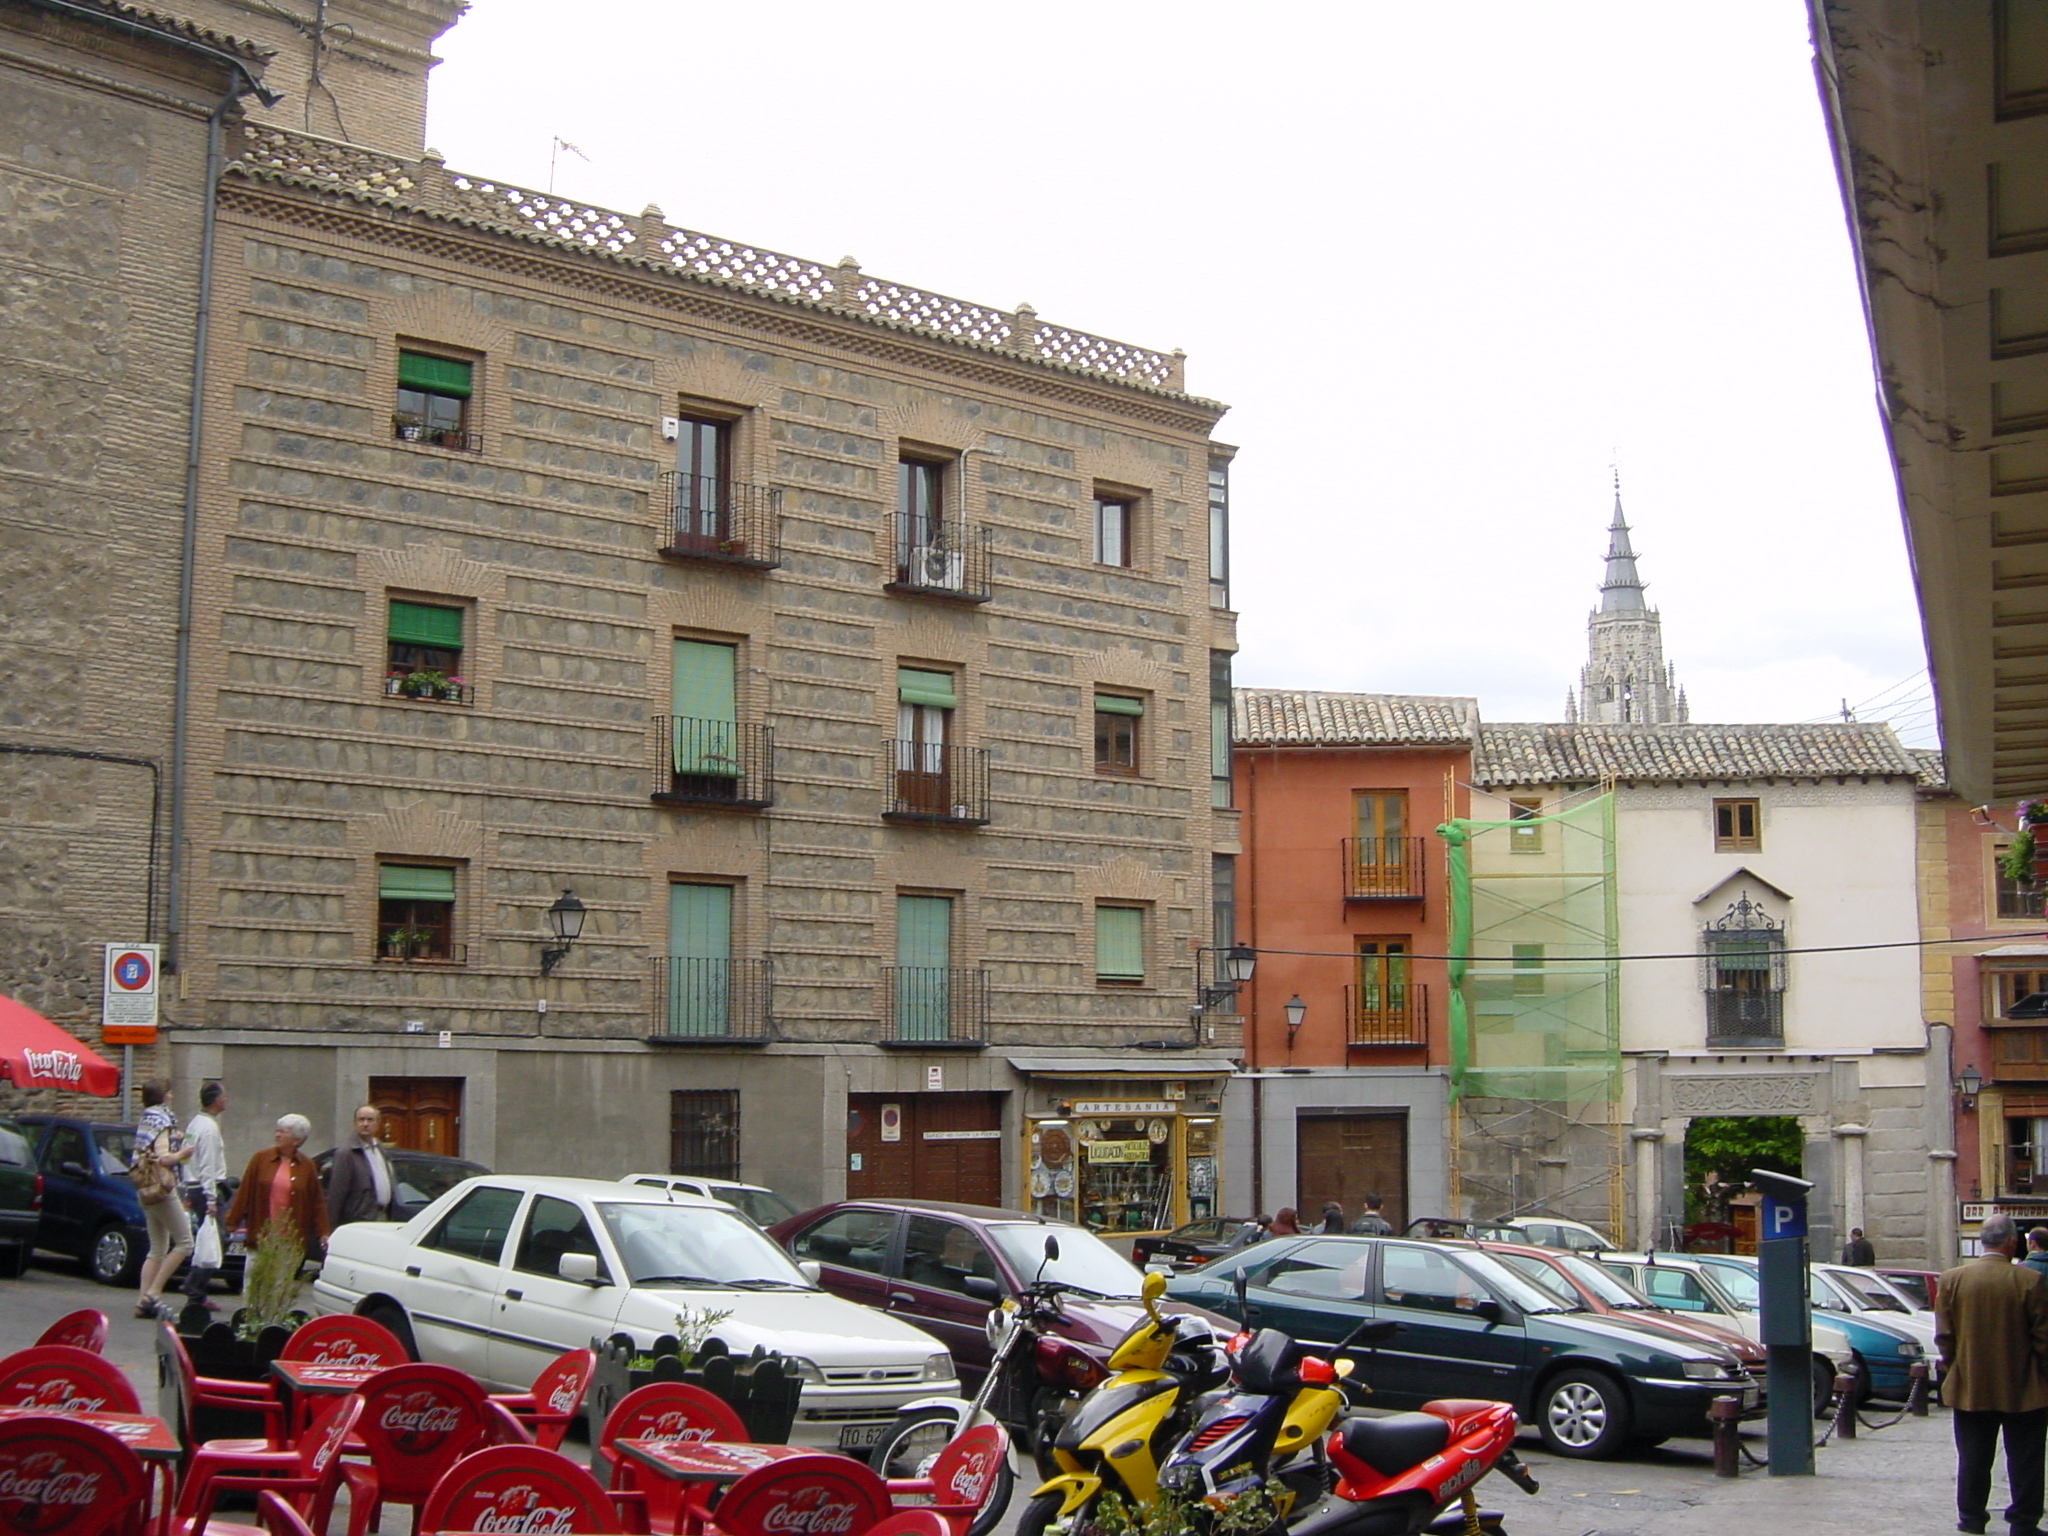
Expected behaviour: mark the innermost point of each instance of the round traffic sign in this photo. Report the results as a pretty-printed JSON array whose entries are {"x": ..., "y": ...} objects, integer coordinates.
[{"x": 132, "y": 971}]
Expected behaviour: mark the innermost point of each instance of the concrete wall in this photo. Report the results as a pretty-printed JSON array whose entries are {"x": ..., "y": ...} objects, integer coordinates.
[{"x": 1274, "y": 1099}]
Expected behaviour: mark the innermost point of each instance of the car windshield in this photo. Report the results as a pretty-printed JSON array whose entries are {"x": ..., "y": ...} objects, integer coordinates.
[
  {"x": 696, "y": 1247},
  {"x": 1544, "y": 1278},
  {"x": 1740, "y": 1284},
  {"x": 1872, "y": 1292},
  {"x": 1506, "y": 1282},
  {"x": 1087, "y": 1265},
  {"x": 115, "y": 1147},
  {"x": 1610, "y": 1288},
  {"x": 763, "y": 1205}
]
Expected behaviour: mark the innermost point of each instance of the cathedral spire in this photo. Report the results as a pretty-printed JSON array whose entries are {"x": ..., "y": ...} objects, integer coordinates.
[
  {"x": 1626, "y": 680},
  {"x": 1622, "y": 591}
]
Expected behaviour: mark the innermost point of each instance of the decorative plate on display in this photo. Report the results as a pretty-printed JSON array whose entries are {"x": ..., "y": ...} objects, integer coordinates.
[
  {"x": 1063, "y": 1183},
  {"x": 1053, "y": 1146},
  {"x": 1041, "y": 1182},
  {"x": 1156, "y": 1130},
  {"x": 1089, "y": 1130}
]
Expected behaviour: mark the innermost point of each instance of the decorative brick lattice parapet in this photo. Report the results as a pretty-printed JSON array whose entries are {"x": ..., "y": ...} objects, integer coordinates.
[{"x": 428, "y": 185}]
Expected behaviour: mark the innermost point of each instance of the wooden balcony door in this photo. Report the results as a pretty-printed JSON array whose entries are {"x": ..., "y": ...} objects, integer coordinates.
[{"x": 421, "y": 1114}]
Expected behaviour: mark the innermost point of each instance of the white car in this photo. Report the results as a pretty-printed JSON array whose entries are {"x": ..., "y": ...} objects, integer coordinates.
[
  {"x": 758, "y": 1203},
  {"x": 1868, "y": 1293},
  {"x": 502, "y": 1274}
]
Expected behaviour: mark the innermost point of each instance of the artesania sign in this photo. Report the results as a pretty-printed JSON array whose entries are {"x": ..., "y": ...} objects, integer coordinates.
[{"x": 128, "y": 995}]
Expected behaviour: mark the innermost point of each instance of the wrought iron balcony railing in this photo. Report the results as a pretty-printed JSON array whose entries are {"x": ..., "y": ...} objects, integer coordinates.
[
  {"x": 940, "y": 560},
  {"x": 712, "y": 517},
  {"x": 1745, "y": 1018},
  {"x": 938, "y": 785},
  {"x": 395, "y": 948},
  {"x": 934, "y": 1005},
  {"x": 1383, "y": 868},
  {"x": 711, "y": 1001},
  {"x": 1386, "y": 1013},
  {"x": 713, "y": 762},
  {"x": 400, "y": 685},
  {"x": 406, "y": 430}
]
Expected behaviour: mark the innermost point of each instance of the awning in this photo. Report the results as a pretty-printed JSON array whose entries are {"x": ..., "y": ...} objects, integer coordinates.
[
  {"x": 34, "y": 1053},
  {"x": 1162, "y": 1064}
]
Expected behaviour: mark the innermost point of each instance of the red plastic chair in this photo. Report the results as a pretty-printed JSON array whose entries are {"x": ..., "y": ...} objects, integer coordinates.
[
  {"x": 518, "y": 1488},
  {"x": 196, "y": 1391},
  {"x": 502, "y": 1428},
  {"x": 962, "y": 1478},
  {"x": 39, "y": 1456},
  {"x": 65, "y": 1380},
  {"x": 906, "y": 1522},
  {"x": 418, "y": 1421},
  {"x": 663, "y": 1410},
  {"x": 556, "y": 1398},
  {"x": 275, "y": 1517},
  {"x": 803, "y": 1493},
  {"x": 312, "y": 1476},
  {"x": 342, "y": 1338},
  {"x": 86, "y": 1330}
]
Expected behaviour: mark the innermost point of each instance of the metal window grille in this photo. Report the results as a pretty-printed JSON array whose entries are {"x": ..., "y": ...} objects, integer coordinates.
[{"x": 704, "y": 1132}]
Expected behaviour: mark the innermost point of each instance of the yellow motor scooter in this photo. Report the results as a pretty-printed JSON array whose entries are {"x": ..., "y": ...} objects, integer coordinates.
[{"x": 1118, "y": 1434}]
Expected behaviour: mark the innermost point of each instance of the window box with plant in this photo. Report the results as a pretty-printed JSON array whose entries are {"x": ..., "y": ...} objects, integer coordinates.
[
  {"x": 2025, "y": 859},
  {"x": 427, "y": 684}
]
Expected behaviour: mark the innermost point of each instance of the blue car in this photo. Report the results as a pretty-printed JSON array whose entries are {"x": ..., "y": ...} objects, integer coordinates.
[{"x": 1886, "y": 1353}]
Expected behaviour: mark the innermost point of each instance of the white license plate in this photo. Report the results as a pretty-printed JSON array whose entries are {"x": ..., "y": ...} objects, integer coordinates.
[
  {"x": 1749, "y": 1397},
  {"x": 861, "y": 1437},
  {"x": 237, "y": 1247}
]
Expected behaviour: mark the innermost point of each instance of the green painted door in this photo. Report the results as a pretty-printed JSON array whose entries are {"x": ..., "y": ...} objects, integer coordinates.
[
  {"x": 924, "y": 956},
  {"x": 705, "y": 704},
  {"x": 699, "y": 959}
]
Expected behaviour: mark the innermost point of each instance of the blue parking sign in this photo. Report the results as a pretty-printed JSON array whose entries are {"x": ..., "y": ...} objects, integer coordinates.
[{"x": 1781, "y": 1218}]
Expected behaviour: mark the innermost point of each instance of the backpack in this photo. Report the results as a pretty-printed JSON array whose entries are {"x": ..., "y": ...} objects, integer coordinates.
[{"x": 154, "y": 1183}]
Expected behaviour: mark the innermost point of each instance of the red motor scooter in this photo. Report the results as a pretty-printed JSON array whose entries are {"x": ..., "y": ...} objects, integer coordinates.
[{"x": 1398, "y": 1475}]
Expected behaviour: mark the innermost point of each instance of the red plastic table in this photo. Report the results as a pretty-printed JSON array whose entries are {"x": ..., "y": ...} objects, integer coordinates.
[
  {"x": 707, "y": 1461},
  {"x": 150, "y": 1438}
]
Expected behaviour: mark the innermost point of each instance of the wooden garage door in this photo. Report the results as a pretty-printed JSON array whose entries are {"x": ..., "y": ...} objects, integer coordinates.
[
  {"x": 421, "y": 1114},
  {"x": 948, "y": 1147},
  {"x": 1345, "y": 1157}
]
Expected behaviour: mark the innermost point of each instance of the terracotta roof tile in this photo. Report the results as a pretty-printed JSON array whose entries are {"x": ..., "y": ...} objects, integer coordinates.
[
  {"x": 1285, "y": 717},
  {"x": 1585, "y": 754}
]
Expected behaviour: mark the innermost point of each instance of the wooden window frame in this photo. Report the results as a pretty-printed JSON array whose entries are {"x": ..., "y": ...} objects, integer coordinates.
[
  {"x": 439, "y": 418},
  {"x": 1525, "y": 829},
  {"x": 1141, "y": 913},
  {"x": 1121, "y": 509},
  {"x": 1730, "y": 836},
  {"x": 1113, "y": 726},
  {"x": 427, "y": 922}
]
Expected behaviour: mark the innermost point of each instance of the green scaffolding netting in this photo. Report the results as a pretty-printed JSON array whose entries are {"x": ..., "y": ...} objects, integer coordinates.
[{"x": 1535, "y": 1010}]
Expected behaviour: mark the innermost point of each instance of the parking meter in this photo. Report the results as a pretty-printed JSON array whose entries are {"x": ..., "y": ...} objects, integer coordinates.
[{"x": 1786, "y": 1319}]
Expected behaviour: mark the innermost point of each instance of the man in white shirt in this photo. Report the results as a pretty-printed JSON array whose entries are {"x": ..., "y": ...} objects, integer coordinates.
[
  {"x": 359, "y": 1184},
  {"x": 203, "y": 1173}
]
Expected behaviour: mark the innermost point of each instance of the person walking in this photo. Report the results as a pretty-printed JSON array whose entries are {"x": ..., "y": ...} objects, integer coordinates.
[
  {"x": 1370, "y": 1222},
  {"x": 170, "y": 1229},
  {"x": 1858, "y": 1251},
  {"x": 1333, "y": 1218},
  {"x": 206, "y": 1172},
  {"x": 359, "y": 1183},
  {"x": 2037, "y": 1251},
  {"x": 1284, "y": 1224},
  {"x": 281, "y": 1180},
  {"x": 1991, "y": 1334}
]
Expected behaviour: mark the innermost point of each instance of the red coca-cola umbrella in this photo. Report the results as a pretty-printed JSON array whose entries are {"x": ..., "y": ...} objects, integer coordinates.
[{"x": 34, "y": 1053}]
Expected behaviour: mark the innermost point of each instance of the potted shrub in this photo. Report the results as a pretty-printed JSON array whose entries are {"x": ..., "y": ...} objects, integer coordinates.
[
  {"x": 451, "y": 689},
  {"x": 424, "y": 684},
  {"x": 241, "y": 1348},
  {"x": 408, "y": 428},
  {"x": 2025, "y": 859}
]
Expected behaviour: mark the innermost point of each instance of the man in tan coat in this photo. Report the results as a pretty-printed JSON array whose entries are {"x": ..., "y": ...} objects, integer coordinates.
[{"x": 1991, "y": 1328}]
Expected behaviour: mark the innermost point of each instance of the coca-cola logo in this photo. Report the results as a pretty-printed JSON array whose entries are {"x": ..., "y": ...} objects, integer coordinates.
[
  {"x": 563, "y": 1398},
  {"x": 418, "y": 1421},
  {"x": 65, "y": 1395},
  {"x": 519, "y": 1508},
  {"x": 971, "y": 1476},
  {"x": 675, "y": 1425},
  {"x": 64, "y": 1066},
  {"x": 49, "y": 1489},
  {"x": 810, "y": 1512},
  {"x": 344, "y": 1352}
]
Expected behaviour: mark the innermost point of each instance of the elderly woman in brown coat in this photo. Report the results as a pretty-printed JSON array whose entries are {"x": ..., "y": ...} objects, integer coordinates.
[{"x": 281, "y": 1178}]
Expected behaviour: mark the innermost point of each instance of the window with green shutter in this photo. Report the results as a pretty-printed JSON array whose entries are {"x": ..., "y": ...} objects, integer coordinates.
[
  {"x": 423, "y": 651},
  {"x": 415, "y": 912},
  {"x": 704, "y": 715},
  {"x": 1117, "y": 717},
  {"x": 1120, "y": 944},
  {"x": 433, "y": 400}
]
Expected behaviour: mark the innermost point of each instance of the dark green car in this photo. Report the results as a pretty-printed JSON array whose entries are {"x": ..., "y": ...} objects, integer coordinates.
[
  {"x": 1472, "y": 1327},
  {"x": 21, "y": 1200}
]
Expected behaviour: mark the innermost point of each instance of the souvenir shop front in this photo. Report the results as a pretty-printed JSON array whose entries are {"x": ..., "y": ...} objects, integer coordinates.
[{"x": 1124, "y": 1145}]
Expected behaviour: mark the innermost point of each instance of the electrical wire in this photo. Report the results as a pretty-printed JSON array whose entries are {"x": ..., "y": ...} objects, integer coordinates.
[{"x": 1688, "y": 954}]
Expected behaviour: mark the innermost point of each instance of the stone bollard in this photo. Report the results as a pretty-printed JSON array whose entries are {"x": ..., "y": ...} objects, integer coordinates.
[
  {"x": 1916, "y": 1390},
  {"x": 1845, "y": 1402},
  {"x": 1725, "y": 1414}
]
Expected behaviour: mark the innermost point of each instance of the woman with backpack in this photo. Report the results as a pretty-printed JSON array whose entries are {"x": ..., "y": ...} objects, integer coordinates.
[{"x": 159, "y": 1150}]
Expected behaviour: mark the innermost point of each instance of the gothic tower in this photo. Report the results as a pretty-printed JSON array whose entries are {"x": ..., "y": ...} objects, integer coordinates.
[{"x": 1626, "y": 679}]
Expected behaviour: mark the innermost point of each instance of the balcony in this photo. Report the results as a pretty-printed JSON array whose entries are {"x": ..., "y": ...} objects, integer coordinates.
[
  {"x": 428, "y": 688},
  {"x": 949, "y": 561},
  {"x": 711, "y": 1002},
  {"x": 2019, "y": 1053},
  {"x": 410, "y": 429},
  {"x": 727, "y": 522},
  {"x": 1383, "y": 868},
  {"x": 934, "y": 1007},
  {"x": 1745, "y": 1019},
  {"x": 1386, "y": 1013},
  {"x": 942, "y": 786},
  {"x": 418, "y": 946},
  {"x": 713, "y": 763}
]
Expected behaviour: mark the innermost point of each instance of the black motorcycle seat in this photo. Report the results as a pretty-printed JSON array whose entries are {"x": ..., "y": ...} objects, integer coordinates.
[{"x": 1394, "y": 1444}]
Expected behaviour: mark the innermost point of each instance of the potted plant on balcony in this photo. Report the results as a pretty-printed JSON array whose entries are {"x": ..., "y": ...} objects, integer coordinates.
[
  {"x": 451, "y": 689},
  {"x": 403, "y": 942},
  {"x": 2025, "y": 859},
  {"x": 424, "y": 684},
  {"x": 407, "y": 427}
]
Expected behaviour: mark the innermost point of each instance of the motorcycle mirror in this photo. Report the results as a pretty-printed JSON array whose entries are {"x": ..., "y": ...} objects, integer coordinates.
[
  {"x": 1372, "y": 1331},
  {"x": 1052, "y": 1249},
  {"x": 1238, "y": 1286}
]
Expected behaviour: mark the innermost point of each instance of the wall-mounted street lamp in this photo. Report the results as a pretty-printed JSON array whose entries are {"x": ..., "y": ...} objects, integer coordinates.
[
  {"x": 1233, "y": 969},
  {"x": 565, "y": 922},
  {"x": 1968, "y": 1086},
  {"x": 1296, "y": 1010}
]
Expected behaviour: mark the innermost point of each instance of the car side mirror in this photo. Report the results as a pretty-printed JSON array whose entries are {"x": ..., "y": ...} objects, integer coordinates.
[
  {"x": 1489, "y": 1309},
  {"x": 76, "y": 1170},
  {"x": 580, "y": 1266},
  {"x": 981, "y": 1288},
  {"x": 813, "y": 1270}
]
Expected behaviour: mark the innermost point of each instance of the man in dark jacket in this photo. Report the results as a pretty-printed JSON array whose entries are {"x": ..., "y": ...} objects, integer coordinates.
[
  {"x": 1991, "y": 1330},
  {"x": 1858, "y": 1251},
  {"x": 359, "y": 1183},
  {"x": 1371, "y": 1223},
  {"x": 2037, "y": 1251}
]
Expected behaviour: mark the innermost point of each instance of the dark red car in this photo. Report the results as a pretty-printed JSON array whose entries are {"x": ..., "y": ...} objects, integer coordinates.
[{"x": 943, "y": 1266}]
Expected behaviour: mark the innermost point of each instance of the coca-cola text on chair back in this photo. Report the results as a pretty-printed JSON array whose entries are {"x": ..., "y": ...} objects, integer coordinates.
[
  {"x": 340, "y": 1338},
  {"x": 418, "y": 1421},
  {"x": 85, "y": 1329},
  {"x": 820, "y": 1495},
  {"x": 59, "y": 1477},
  {"x": 64, "y": 1380},
  {"x": 517, "y": 1488}
]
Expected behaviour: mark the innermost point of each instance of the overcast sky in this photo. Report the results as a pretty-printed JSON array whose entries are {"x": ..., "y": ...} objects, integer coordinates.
[{"x": 1446, "y": 264}]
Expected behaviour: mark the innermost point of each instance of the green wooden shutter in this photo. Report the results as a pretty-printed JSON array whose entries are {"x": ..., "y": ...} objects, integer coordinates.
[
  {"x": 412, "y": 882},
  {"x": 422, "y": 624},
  {"x": 705, "y": 704},
  {"x": 935, "y": 689},
  {"x": 1119, "y": 944},
  {"x": 1117, "y": 704},
  {"x": 436, "y": 375},
  {"x": 924, "y": 955},
  {"x": 700, "y": 959}
]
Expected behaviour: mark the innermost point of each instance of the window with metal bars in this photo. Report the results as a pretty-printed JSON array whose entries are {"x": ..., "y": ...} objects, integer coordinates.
[{"x": 704, "y": 1132}]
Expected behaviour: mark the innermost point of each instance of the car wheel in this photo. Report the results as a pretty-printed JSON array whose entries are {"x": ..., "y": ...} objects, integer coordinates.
[
  {"x": 1823, "y": 1387},
  {"x": 115, "y": 1257},
  {"x": 1583, "y": 1413},
  {"x": 391, "y": 1318},
  {"x": 920, "y": 1434}
]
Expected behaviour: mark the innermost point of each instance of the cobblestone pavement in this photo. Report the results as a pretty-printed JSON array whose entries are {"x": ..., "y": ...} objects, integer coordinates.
[{"x": 1894, "y": 1482}]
